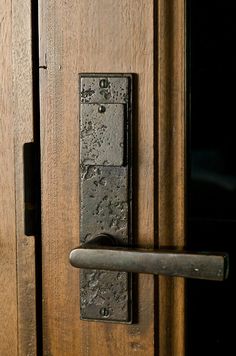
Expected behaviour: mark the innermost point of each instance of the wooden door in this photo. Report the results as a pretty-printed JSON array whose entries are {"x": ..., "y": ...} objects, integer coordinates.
[{"x": 144, "y": 37}]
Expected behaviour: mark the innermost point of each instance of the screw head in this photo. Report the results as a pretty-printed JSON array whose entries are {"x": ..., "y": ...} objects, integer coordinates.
[
  {"x": 104, "y": 312},
  {"x": 103, "y": 83},
  {"x": 101, "y": 109}
]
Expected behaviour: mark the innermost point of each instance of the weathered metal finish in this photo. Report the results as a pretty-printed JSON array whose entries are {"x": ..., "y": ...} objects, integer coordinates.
[
  {"x": 104, "y": 202},
  {"x": 102, "y": 134},
  {"x": 116, "y": 89},
  {"x": 210, "y": 266},
  {"x": 105, "y": 189}
]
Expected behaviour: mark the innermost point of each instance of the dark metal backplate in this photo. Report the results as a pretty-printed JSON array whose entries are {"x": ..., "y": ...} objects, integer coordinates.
[{"x": 105, "y": 189}]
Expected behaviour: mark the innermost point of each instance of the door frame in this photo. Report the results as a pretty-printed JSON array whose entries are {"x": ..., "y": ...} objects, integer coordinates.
[
  {"x": 171, "y": 167},
  {"x": 17, "y": 263}
]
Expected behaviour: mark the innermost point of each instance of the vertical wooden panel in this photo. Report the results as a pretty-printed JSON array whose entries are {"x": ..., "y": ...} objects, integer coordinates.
[
  {"x": 23, "y": 132},
  {"x": 90, "y": 36},
  {"x": 17, "y": 277},
  {"x": 171, "y": 128},
  {"x": 8, "y": 293}
]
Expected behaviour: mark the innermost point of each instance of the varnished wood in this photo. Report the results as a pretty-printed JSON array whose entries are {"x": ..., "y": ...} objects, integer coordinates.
[
  {"x": 90, "y": 36},
  {"x": 70, "y": 44},
  {"x": 171, "y": 133},
  {"x": 8, "y": 290},
  {"x": 120, "y": 39},
  {"x": 23, "y": 132},
  {"x": 17, "y": 276}
]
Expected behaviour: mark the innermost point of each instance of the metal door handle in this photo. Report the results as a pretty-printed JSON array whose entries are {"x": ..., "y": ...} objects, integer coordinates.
[
  {"x": 102, "y": 254},
  {"x": 106, "y": 121}
]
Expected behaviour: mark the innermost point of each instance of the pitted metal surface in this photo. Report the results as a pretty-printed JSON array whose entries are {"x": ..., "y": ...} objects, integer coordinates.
[
  {"x": 105, "y": 194},
  {"x": 102, "y": 134},
  {"x": 115, "y": 89},
  {"x": 104, "y": 202},
  {"x": 104, "y": 209}
]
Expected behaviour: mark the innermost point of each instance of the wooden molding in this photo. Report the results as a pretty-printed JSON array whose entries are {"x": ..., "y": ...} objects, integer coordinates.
[
  {"x": 17, "y": 277},
  {"x": 171, "y": 166},
  {"x": 23, "y": 132}
]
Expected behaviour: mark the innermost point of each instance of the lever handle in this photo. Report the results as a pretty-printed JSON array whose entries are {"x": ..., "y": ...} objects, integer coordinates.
[
  {"x": 98, "y": 254},
  {"x": 106, "y": 204}
]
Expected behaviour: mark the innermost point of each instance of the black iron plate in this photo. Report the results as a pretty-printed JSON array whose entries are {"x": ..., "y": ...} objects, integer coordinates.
[{"x": 105, "y": 189}]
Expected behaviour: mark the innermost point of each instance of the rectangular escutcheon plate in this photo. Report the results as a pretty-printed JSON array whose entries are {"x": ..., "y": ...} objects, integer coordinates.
[{"x": 105, "y": 189}]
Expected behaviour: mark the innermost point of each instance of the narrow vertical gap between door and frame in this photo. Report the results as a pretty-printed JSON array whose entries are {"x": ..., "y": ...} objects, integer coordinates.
[
  {"x": 22, "y": 100},
  {"x": 36, "y": 133}
]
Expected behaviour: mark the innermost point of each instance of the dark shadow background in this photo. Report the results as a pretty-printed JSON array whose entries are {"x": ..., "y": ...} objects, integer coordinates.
[{"x": 212, "y": 170}]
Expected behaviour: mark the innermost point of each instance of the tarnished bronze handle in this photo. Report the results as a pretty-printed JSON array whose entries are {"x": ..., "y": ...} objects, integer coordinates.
[{"x": 98, "y": 254}]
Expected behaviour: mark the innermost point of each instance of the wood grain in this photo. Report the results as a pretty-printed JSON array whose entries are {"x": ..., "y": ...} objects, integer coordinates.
[
  {"x": 23, "y": 132},
  {"x": 90, "y": 36},
  {"x": 8, "y": 292},
  {"x": 171, "y": 162},
  {"x": 17, "y": 277}
]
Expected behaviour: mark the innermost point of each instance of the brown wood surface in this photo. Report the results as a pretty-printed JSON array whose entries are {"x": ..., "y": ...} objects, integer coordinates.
[
  {"x": 90, "y": 36},
  {"x": 171, "y": 132},
  {"x": 120, "y": 39},
  {"x": 8, "y": 291},
  {"x": 17, "y": 277},
  {"x": 115, "y": 36},
  {"x": 23, "y": 132}
]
